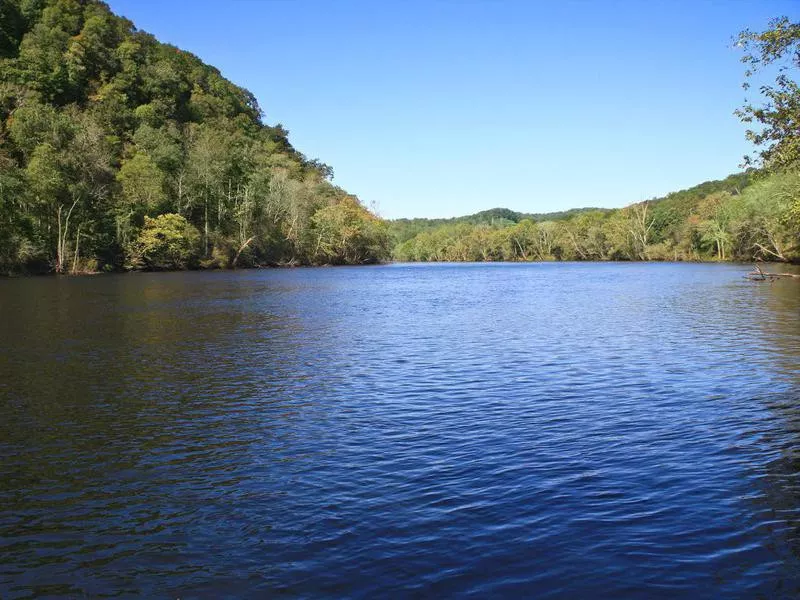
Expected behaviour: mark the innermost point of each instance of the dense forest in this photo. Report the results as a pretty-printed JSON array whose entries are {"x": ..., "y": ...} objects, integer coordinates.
[
  {"x": 120, "y": 152},
  {"x": 745, "y": 216}
]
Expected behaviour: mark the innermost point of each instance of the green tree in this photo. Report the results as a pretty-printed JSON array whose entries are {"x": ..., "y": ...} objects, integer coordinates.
[
  {"x": 346, "y": 232},
  {"x": 12, "y": 28},
  {"x": 715, "y": 229},
  {"x": 765, "y": 225},
  {"x": 15, "y": 245},
  {"x": 779, "y": 115},
  {"x": 141, "y": 193},
  {"x": 168, "y": 241}
]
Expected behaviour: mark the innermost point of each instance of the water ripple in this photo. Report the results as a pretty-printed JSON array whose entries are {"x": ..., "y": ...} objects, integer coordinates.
[{"x": 548, "y": 430}]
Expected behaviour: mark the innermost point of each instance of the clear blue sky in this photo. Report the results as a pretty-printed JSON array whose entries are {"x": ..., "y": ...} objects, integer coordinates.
[{"x": 444, "y": 108}]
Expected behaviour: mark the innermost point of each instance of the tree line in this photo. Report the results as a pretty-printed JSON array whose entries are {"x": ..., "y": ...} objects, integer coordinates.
[
  {"x": 743, "y": 217},
  {"x": 120, "y": 152}
]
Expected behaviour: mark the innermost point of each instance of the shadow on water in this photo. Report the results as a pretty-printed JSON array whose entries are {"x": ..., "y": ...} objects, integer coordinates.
[
  {"x": 111, "y": 395},
  {"x": 780, "y": 478}
]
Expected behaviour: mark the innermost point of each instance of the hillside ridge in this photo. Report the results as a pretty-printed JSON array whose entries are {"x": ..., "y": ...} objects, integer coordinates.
[{"x": 121, "y": 152}]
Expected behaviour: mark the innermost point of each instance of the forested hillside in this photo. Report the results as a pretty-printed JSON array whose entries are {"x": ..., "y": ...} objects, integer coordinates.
[
  {"x": 742, "y": 217},
  {"x": 402, "y": 230},
  {"x": 120, "y": 152}
]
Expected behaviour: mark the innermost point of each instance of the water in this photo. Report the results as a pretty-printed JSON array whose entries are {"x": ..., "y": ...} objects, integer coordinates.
[{"x": 548, "y": 430}]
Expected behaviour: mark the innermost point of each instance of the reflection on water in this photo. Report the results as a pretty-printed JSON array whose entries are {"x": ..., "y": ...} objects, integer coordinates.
[{"x": 562, "y": 430}]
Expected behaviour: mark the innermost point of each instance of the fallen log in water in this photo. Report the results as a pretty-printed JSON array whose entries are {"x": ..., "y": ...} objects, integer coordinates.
[{"x": 759, "y": 275}]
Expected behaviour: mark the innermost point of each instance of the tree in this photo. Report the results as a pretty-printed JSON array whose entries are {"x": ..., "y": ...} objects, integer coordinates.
[
  {"x": 779, "y": 115},
  {"x": 522, "y": 239},
  {"x": 765, "y": 224},
  {"x": 49, "y": 188},
  {"x": 544, "y": 242},
  {"x": 715, "y": 229},
  {"x": 12, "y": 28},
  {"x": 141, "y": 193},
  {"x": 640, "y": 224},
  {"x": 346, "y": 232},
  {"x": 168, "y": 241},
  {"x": 208, "y": 153},
  {"x": 15, "y": 248},
  {"x": 715, "y": 232}
]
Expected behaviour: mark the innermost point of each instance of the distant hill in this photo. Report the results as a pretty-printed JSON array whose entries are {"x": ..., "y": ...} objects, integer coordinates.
[
  {"x": 404, "y": 229},
  {"x": 745, "y": 216},
  {"x": 679, "y": 204}
]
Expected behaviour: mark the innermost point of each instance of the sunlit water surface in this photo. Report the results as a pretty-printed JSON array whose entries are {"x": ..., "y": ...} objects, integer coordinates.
[{"x": 548, "y": 430}]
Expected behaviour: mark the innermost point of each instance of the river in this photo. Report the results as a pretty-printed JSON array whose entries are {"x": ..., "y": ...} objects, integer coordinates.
[{"x": 495, "y": 430}]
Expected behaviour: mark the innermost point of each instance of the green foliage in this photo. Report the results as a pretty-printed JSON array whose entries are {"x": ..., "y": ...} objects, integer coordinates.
[
  {"x": 15, "y": 248},
  {"x": 168, "y": 241},
  {"x": 778, "y": 116},
  {"x": 118, "y": 150},
  {"x": 142, "y": 185},
  {"x": 102, "y": 128},
  {"x": 402, "y": 230},
  {"x": 765, "y": 221},
  {"x": 741, "y": 217},
  {"x": 347, "y": 233},
  {"x": 12, "y": 28}
]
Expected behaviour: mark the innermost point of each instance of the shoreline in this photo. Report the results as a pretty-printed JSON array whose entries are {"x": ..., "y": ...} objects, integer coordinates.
[{"x": 26, "y": 275}]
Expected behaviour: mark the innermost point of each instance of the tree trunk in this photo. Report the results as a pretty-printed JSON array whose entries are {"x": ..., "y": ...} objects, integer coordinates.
[
  {"x": 205, "y": 229},
  {"x": 59, "y": 250},
  {"x": 521, "y": 251},
  {"x": 241, "y": 249},
  {"x": 63, "y": 231},
  {"x": 77, "y": 251}
]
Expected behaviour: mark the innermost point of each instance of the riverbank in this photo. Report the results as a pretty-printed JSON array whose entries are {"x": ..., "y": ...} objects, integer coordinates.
[{"x": 791, "y": 266}]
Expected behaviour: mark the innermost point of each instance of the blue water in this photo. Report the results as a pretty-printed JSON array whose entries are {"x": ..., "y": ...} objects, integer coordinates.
[{"x": 537, "y": 430}]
